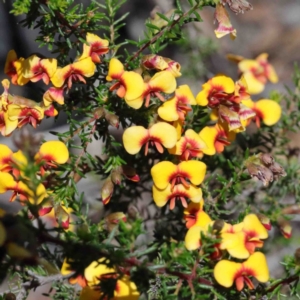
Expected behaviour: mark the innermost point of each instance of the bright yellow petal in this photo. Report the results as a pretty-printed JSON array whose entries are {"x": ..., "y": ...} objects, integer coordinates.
[
  {"x": 6, "y": 181},
  {"x": 225, "y": 82},
  {"x": 270, "y": 110},
  {"x": 161, "y": 197},
  {"x": 254, "y": 85},
  {"x": 50, "y": 65},
  {"x": 225, "y": 271},
  {"x": 10, "y": 125},
  {"x": 126, "y": 289},
  {"x": 271, "y": 74},
  {"x": 184, "y": 91},
  {"x": 20, "y": 159},
  {"x": 133, "y": 138},
  {"x": 94, "y": 271},
  {"x": 209, "y": 134},
  {"x": 5, "y": 154},
  {"x": 234, "y": 243},
  {"x": 203, "y": 219},
  {"x": 258, "y": 263},
  {"x": 202, "y": 97},
  {"x": 248, "y": 65},
  {"x": 115, "y": 69},
  {"x": 55, "y": 151},
  {"x": 164, "y": 132},
  {"x": 164, "y": 81},
  {"x": 249, "y": 103},
  {"x": 60, "y": 76},
  {"x": 195, "y": 169},
  {"x": 192, "y": 238},
  {"x": 134, "y": 85},
  {"x": 85, "y": 67},
  {"x": 29, "y": 64},
  {"x": 195, "y": 193},
  {"x": 161, "y": 173},
  {"x": 252, "y": 224},
  {"x": 168, "y": 110}
]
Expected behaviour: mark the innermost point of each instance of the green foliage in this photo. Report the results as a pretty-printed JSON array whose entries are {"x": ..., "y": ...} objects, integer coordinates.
[{"x": 160, "y": 266}]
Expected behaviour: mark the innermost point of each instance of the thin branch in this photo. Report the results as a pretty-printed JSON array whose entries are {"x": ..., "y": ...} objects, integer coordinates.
[
  {"x": 160, "y": 33},
  {"x": 284, "y": 281}
]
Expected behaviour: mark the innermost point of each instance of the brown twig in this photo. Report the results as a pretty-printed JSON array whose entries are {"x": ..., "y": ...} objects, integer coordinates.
[
  {"x": 284, "y": 281},
  {"x": 160, "y": 33}
]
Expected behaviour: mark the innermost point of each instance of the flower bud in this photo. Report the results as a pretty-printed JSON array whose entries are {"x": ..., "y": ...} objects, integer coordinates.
[
  {"x": 116, "y": 175},
  {"x": 265, "y": 221},
  {"x": 218, "y": 226},
  {"x": 261, "y": 172},
  {"x": 113, "y": 219},
  {"x": 285, "y": 227},
  {"x": 153, "y": 61},
  {"x": 173, "y": 66},
  {"x": 266, "y": 159},
  {"x": 99, "y": 112},
  {"x": 62, "y": 217},
  {"x": 107, "y": 190},
  {"x": 277, "y": 170},
  {"x": 112, "y": 119},
  {"x": 130, "y": 173}
]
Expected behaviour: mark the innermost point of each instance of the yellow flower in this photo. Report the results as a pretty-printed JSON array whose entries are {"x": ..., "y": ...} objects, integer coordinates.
[
  {"x": 36, "y": 68},
  {"x": 241, "y": 240},
  {"x": 160, "y": 134},
  {"x": 178, "y": 106},
  {"x": 94, "y": 48},
  {"x": 257, "y": 72},
  {"x": 217, "y": 90},
  {"x": 129, "y": 85},
  {"x": 195, "y": 216},
  {"x": 216, "y": 138},
  {"x": 179, "y": 192},
  {"x": 8, "y": 183},
  {"x": 190, "y": 145},
  {"x": 161, "y": 82},
  {"x": 73, "y": 72},
  {"x": 96, "y": 272},
  {"x": 266, "y": 110},
  {"x": 166, "y": 172},
  {"x": 227, "y": 272},
  {"x": 14, "y": 68}
]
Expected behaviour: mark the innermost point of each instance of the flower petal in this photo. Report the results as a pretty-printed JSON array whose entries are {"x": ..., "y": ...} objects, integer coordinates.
[
  {"x": 55, "y": 151},
  {"x": 225, "y": 271},
  {"x": 270, "y": 111},
  {"x": 161, "y": 173},
  {"x": 164, "y": 132},
  {"x": 192, "y": 238},
  {"x": 133, "y": 138},
  {"x": 115, "y": 69},
  {"x": 163, "y": 81},
  {"x": 258, "y": 263},
  {"x": 195, "y": 169}
]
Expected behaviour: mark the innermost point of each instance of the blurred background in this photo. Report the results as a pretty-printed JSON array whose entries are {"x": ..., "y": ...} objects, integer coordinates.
[{"x": 273, "y": 26}]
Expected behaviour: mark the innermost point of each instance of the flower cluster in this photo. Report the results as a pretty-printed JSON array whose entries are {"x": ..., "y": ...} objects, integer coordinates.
[
  {"x": 13, "y": 176},
  {"x": 16, "y": 111},
  {"x": 232, "y": 109},
  {"x": 238, "y": 241},
  {"x": 95, "y": 274}
]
